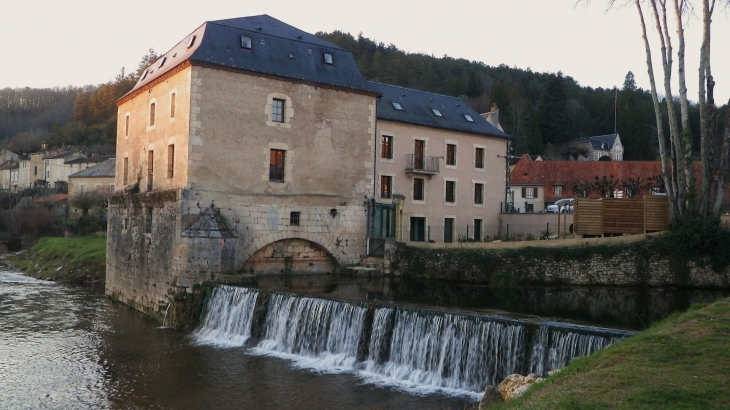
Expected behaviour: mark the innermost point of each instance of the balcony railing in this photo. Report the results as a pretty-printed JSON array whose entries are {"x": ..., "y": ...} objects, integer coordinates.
[{"x": 421, "y": 164}]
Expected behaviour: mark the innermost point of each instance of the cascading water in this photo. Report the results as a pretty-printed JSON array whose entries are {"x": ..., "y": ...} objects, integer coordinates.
[
  {"x": 227, "y": 316},
  {"x": 325, "y": 330},
  {"x": 413, "y": 348},
  {"x": 450, "y": 351},
  {"x": 553, "y": 348}
]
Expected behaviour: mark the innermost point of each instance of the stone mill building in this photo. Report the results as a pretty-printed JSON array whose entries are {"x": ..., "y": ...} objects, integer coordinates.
[{"x": 249, "y": 147}]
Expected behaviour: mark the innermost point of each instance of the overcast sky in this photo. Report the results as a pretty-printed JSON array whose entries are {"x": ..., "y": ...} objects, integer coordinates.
[{"x": 49, "y": 43}]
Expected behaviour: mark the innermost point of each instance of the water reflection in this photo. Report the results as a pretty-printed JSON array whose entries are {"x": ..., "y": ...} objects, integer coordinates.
[
  {"x": 69, "y": 348},
  {"x": 625, "y": 308}
]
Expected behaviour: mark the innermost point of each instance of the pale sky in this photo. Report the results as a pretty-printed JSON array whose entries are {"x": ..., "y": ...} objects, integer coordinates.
[{"x": 47, "y": 43}]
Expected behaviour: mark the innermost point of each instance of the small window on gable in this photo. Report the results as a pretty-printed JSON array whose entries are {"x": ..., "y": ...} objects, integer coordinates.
[
  {"x": 191, "y": 42},
  {"x": 246, "y": 42},
  {"x": 468, "y": 118},
  {"x": 328, "y": 58},
  {"x": 436, "y": 112},
  {"x": 397, "y": 106},
  {"x": 162, "y": 62}
]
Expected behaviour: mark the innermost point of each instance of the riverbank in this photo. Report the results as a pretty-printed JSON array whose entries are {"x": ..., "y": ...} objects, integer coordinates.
[
  {"x": 681, "y": 362},
  {"x": 78, "y": 260}
]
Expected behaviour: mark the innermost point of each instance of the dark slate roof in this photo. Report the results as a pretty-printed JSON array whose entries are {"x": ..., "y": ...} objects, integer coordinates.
[
  {"x": 276, "y": 49},
  {"x": 9, "y": 164},
  {"x": 598, "y": 141},
  {"x": 91, "y": 160},
  {"x": 105, "y": 169},
  {"x": 59, "y": 154},
  {"x": 209, "y": 225},
  {"x": 417, "y": 109}
]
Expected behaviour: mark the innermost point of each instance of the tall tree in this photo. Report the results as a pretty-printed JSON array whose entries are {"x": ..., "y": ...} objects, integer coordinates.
[{"x": 554, "y": 119}]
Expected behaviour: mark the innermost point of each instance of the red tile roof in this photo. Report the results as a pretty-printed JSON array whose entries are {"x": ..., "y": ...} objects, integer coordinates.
[
  {"x": 53, "y": 198},
  {"x": 570, "y": 173}
]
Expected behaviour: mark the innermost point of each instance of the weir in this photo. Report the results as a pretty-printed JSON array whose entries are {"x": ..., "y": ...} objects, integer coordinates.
[{"x": 407, "y": 346}]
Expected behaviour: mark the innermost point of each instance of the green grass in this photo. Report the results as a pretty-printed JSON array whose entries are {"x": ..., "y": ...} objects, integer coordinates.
[
  {"x": 682, "y": 362},
  {"x": 80, "y": 259}
]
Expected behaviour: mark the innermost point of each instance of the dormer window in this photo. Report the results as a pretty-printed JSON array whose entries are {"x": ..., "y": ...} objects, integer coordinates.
[
  {"x": 436, "y": 112},
  {"x": 162, "y": 62},
  {"x": 397, "y": 106},
  {"x": 328, "y": 58},
  {"x": 468, "y": 118},
  {"x": 144, "y": 75},
  {"x": 191, "y": 42},
  {"x": 245, "y": 43}
]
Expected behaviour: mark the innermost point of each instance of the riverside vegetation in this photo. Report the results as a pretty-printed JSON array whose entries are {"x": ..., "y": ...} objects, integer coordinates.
[
  {"x": 682, "y": 362},
  {"x": 78, "y": 260}
]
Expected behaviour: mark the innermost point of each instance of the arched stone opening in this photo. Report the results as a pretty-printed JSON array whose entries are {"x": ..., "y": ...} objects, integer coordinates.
[{"x": 293, "y": 255}]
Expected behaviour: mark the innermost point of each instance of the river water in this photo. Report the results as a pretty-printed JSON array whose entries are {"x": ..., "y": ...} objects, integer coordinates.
[
  {"x": 65, "y": 347},
  {"x": 68, "y": 348}
]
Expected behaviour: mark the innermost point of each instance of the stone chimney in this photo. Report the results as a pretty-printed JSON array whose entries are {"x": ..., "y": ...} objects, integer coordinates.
[{"x": 493, "y": 117}]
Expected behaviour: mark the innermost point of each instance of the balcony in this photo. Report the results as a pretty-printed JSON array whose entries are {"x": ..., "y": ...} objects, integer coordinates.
[{"x": 421, "y": 164}]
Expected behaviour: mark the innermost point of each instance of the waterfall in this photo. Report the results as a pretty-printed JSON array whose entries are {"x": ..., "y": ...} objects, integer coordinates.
[
  {"x": 227, "y": 316},
  {"x": 450, "y": 351},
  {"x": 327, "y": 331},
  {"x": 412, "y": 348},
  {"x": 553, "y": 348}
]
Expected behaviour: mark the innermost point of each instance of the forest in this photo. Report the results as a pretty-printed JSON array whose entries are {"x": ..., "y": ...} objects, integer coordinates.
[{"x": 542, "y": 111}]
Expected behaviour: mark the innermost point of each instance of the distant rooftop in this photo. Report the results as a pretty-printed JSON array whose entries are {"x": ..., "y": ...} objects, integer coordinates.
[{"x": 104, "y": 169}]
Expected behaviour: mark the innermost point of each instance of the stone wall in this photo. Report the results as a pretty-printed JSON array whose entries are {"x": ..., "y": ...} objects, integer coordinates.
[{"x": 634, "y": 264}]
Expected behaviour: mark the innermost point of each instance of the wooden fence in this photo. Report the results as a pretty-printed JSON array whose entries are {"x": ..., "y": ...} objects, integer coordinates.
[{"x": 599, "y": 217}]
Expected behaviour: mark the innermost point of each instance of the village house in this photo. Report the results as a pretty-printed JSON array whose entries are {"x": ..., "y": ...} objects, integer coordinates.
[
  {"x": 100, "y": 178},
  {"x": 595, "y": 148},
  {"x": 9, "y": 175},
  {"x": 438, "y": 164}
]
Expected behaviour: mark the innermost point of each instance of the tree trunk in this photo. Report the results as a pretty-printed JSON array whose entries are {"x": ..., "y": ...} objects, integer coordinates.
[
  {"x": 706, "y": 111},
  {"x": 658, "y": 115},
  {"x": 721, "y": 170}
]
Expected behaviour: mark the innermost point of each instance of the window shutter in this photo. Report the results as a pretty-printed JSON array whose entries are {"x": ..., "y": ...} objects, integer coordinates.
[{"x": 524, "y": 192}]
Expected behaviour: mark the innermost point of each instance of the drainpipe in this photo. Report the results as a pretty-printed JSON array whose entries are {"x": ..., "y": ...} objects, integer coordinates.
[{"x": 371, "y": 209}]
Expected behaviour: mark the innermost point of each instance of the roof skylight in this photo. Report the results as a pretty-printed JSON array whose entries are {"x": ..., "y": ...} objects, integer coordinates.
[
  {"x": 144, "y": 75},
  {"x": 328, "y": 58},
  {"x": 436, "y": 112},
  {"x": 468, "y": 118},
  {"x": 246, "y": 42},
  {"x": 191, "y": 41},
  {"x": 162, "y": 62},
  {"x": 397, "y": 106}
]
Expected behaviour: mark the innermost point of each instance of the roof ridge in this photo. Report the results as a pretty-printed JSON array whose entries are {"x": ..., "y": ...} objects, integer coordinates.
[
  {"x": 420, "y": 91},
  {"x": 219, "y": 22}
]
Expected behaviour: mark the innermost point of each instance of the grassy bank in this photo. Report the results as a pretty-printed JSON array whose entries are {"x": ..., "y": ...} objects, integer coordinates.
[
  {"x": 74, "y": 260},
  {"x": 682, "y": 362}
]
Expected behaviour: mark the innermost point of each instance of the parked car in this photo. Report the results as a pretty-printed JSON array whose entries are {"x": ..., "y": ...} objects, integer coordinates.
[{"x": 563, "y": 205}]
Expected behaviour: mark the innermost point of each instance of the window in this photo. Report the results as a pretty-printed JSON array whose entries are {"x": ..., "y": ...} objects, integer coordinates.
[
  {"x": 277, "y": 110},
  {"x": 478, "y": 194},
  {"x": 478, "y": 230},
  {"x": 418, "y": 228},
  {"x": 246, "y": 42},
  {"x": 448, "y": 230},
  {"x": 328, "y": 58},
  {"x": 152, "y": 114},
  {"x": 386, "y": 150},
  {"x": 35, "y": 169},
  {"x": 418, "y": 189},
  {"x": 450, "y": 154},
  {"x": 451, "y": 191},
  {"x": 397, "y": 106},
  {"x": 82, "y": 188},
  {"x": 172, "y": 105},
  {"x": 162, "y": 62},
  {"x": 191, "y": 42},
  {"x": 126, "y": 126},
  {"x": 468, "y": 118},
  {"x": 126, "y": 171},
  {"x": 436, "y": 112},
  {"x": 294, "y": 219},
  {"x": 276, "y": 165},
  {"x": 386, "y": 187},
  {"x": 150, "y": 168},
  {"x": 529, "y": 193},
  {"x": 144, "y": 75},
  {"x": 479, "y": 158},
  {"x": 170, "y": 160},
  {"x": 558, "y": 190}
]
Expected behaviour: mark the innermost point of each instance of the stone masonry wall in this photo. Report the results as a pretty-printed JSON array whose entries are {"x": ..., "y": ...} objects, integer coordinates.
[{"x": 583, "y": 266}]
